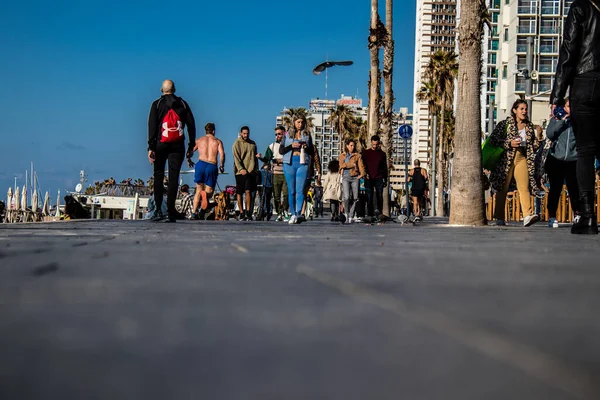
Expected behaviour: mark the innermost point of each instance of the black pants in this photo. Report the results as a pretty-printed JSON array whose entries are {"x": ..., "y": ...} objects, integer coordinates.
[
  {"x": 335, "y": 208},
  {"x": 559, "y": 171},
  {"x": 174, "y": 153},
  {"x": 267, "y": 202},
  {"x": 374, "y": 189},
  {"x": 585, "y": 113}
]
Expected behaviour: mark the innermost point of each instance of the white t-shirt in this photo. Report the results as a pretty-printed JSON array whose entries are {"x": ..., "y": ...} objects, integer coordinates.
[{"x": 523, "y": 135}]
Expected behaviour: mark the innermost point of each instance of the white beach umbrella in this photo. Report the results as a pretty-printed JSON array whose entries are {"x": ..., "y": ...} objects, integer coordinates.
[
  {"x": 24, "y": 199},
  {"x": 57, "y": 205},
  {"x": 9, "y": 197},
  {"x": 46, "y": 206},
  {"x": 17, "y": 199},
  {"x": 34, "y": 201}
]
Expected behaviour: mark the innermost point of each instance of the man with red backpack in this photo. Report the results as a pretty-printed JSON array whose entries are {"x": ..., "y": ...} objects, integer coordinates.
[{"x": 169, "y": 115}]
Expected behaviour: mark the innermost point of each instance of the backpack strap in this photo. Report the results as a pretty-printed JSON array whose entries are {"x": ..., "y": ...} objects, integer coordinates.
[{"x": 595, "y": 5}]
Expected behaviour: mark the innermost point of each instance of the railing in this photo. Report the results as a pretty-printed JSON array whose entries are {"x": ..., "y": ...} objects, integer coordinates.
[
  {"x": 550, "y": 11},
  {"x": 519, "y": 87},
  {"x": 521, "y": 48},
  {"x": 526, "y": 29},
  {"x": 122, "y": 190},
  {"x": 547, "y": 68},
  {"x": 527, "y": 9},
  {"x": 544, "y": 87},
  {"x": 549, "y": 29},
  {"x": 513, "y": 212},
  {"x": 548, "y": 49}
]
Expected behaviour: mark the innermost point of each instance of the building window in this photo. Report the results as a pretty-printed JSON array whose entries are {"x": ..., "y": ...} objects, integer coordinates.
[
  {"x": 505, "y": 72},
  {"x": 506, "y": 34},
  {"x": 492, "y": 58}
]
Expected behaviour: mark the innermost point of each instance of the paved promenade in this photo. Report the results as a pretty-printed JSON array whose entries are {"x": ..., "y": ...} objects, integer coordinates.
[{"x": 264, "y": 310}]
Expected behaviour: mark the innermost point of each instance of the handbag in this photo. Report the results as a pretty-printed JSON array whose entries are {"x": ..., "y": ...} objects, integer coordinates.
[{"x": 490, "y": 155}]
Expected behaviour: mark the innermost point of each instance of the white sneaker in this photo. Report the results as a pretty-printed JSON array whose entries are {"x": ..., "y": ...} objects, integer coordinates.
[
  {"x": 555, "y": 224},
  {"x": 530, "y": 220},
  {"x": 350, "y": 220},
  {"x": 292, "y": 220}
]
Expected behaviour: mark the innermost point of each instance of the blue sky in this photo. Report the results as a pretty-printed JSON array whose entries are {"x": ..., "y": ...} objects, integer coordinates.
[{"x": 79, "y": 76}]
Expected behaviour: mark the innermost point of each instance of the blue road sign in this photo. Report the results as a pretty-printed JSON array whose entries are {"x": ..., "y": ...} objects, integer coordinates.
[{"x": 405, "y": 131}]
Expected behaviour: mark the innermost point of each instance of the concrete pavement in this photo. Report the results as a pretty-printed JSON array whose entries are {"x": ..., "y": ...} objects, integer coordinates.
[{"x": 265, "y": 310}]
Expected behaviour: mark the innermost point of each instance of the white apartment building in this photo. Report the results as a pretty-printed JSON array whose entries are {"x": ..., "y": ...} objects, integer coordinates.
[
  {"x": 506, "y": 54},
  {"x": 435, "y": 30}
]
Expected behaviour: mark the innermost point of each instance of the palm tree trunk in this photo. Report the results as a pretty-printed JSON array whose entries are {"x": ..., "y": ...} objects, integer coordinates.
[
  {"x": 374, "y": 85},
  {"x": 439, "y": 208},
  {"x": 388, "y": 102},
  {"x": 467, "y": 189}
]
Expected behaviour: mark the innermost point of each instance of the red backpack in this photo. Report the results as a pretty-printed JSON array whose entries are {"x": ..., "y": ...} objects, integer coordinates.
[{"x": 171, "y": 128}]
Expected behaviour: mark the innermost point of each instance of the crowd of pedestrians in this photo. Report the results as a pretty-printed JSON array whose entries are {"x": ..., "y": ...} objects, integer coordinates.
[
  {"x": 573, "y": 137},
  {"x": 288, "y": 175}
]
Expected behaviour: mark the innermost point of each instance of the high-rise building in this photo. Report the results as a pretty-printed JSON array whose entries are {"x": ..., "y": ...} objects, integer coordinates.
[
  {"x": 435, "y": 30},
  {"x": 507, "y": 50}
]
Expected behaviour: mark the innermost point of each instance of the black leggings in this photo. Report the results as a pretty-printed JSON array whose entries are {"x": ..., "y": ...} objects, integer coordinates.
[
  {"x": 174, "y": 153},
  {"x": 585, "y": 112},
  {"x": 559, "y": 171}
]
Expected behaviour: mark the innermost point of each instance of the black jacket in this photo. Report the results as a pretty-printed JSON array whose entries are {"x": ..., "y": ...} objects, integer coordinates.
[
  {"x": 579, "y": 52},
  {"x": 159, "y": 109}
]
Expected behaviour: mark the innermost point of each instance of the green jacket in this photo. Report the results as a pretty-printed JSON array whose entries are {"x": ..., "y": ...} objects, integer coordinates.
[{"x": 244, "y": 156}]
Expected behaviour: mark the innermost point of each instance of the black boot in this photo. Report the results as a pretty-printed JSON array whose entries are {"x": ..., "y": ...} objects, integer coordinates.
[{"x": 585, "y": 223}]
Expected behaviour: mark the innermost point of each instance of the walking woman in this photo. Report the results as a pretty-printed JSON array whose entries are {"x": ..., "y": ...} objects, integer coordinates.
[
  {"x": 561, "y": 164},
  {"x": 297, "y": 151},
  {"x": 517, "y": 136},
  {"x": 332, "y": 188},
  {"x": 353, "y": 169}
]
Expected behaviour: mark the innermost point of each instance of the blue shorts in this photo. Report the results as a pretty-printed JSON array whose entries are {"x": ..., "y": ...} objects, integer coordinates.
[{"x": 206, "y": 173}]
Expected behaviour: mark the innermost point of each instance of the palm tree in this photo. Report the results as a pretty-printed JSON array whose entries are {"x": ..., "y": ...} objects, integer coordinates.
[
  {"x": 442, "y": 70},
  {"x": 467, "y": 189},
  {"x": 361, "y": 131},
  {"x": 342, "y": 121},
  {"x": 292, "y": 113},
  {"x": 377, "y": 36},
  {"x": 388, "y": 98}
]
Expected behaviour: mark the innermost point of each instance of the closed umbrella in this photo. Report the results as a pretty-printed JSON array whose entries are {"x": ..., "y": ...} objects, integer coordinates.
[
  {"x": 34, "y": 201},
  {"x": 9, "y": 197},
  {"x": 58, "y": 205},
  {"x": 24, "y": 199},
  {"x": 17, "y": 199},
  {"x": 46, "y": 207}
]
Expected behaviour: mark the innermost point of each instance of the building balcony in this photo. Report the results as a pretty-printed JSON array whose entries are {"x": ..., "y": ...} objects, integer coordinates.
[
  {"x": 527, "y": 10},
  {"x": 548, "y": 30},
  {"x": 547, "y": 68},
  {"x": 526, "y": 30},
  {"x": 519, "y": 87},
  {"x": 550, "y": 11},
  {"x": 548, "y": 49}
]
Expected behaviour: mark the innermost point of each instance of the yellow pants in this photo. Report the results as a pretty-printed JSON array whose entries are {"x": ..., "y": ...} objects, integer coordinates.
[{"x": 518, "y": 169}]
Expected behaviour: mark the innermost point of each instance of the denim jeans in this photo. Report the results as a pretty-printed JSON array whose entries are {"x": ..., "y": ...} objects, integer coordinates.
[
  {"x": 295, "y": 176},
  {"x": 585, "y": 114},
  {"x": 350, "y": 186}
]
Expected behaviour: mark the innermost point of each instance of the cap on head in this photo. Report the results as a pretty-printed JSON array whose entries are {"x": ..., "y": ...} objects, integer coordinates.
[{"x": 168, "y": 87}]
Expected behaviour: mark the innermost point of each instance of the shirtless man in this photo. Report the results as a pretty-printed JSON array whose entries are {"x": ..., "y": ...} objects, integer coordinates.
[{"x": 206, "y": 168}]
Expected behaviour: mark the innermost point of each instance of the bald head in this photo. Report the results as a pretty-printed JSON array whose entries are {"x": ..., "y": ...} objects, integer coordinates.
[{"x": 168, "y": 87}]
